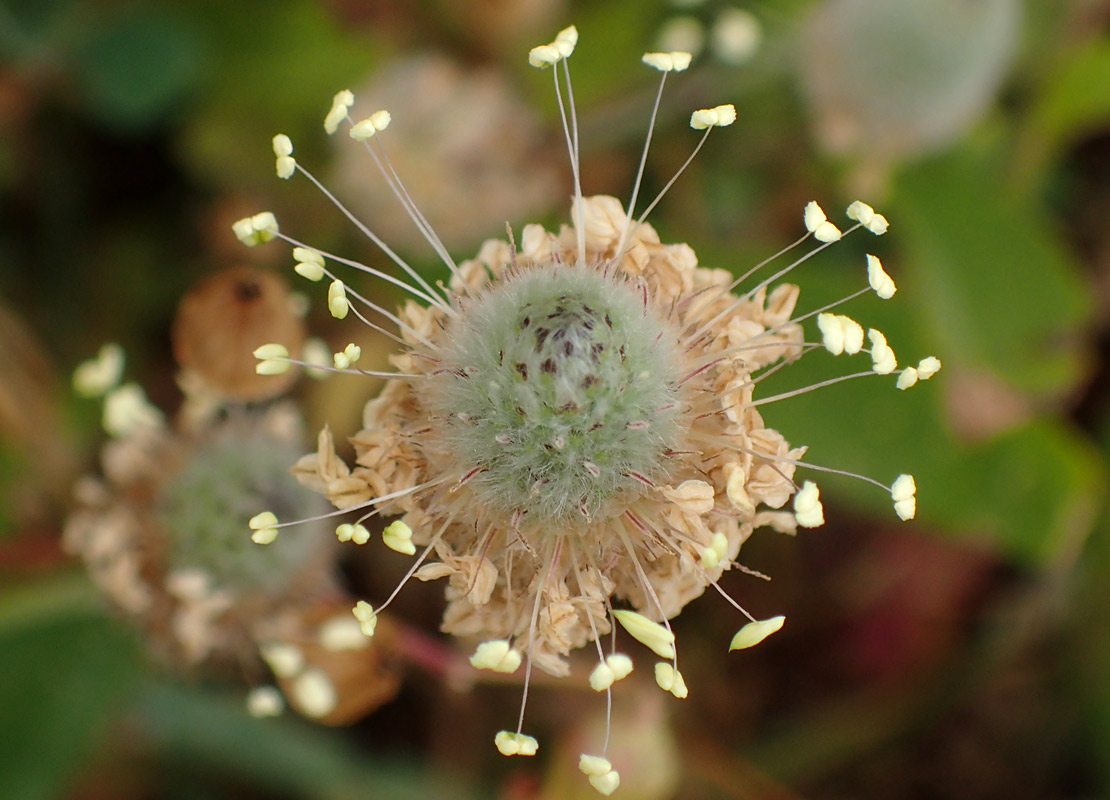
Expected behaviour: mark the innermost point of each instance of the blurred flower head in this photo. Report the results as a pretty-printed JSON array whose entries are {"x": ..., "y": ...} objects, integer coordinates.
[
  {"x": 571, "y": 438},
  {"x": 163, "y": 531}
]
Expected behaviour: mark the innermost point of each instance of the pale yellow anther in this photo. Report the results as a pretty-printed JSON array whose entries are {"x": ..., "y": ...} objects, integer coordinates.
[
  {"x": 347, "y": 356},
  {"x": 127, "y": 410},
  {"x": 719, "y": 543},
  {"x": 670, "y": 680},
  {"x": 755, "y": 632},
  {"x": 883, "y": 361},
  {"x": 258, "y": 229},
  {"x": 283, "y": 146},
  {"x": 307, "y": 256},
  {"x": 264, "y": 536},
  {"x": 861, "y": 212},
  {"x": 340, "y": 105},
  {"x": 709, "y": 558},
  {"x": 827, "y": 232},
  {"x": 808, "y": 510},
  {"x": 356, "y": 533},
  {"x": 337, "y": 300},
  {"x": 496, "y": 655},
  {"x": 716, "y": 117},
  {"x": 285, "y": 167},
  {"x": 273, "y": 359},
  {"x": 903, "y": 492},
  {"x": 566, "y": 40},
  {"x": 283, "y": 149},
  {"x": 284, "y": 660},
  {"x": 675, "y": 61},
  {"x": 928, "y": 367},
  {"x": 878, "y": 225},
  {"x": 515, "y": 744},
  {"x": 341, "y": 633},
  {"x": 853, "y": 335},
  {"x": 366, "y": 616},
  {"x": 375, "y": 123},
  {"x": 907, "y": 379},
  {"x": 606, "y": 784},
  {"x": 99, "y": 375},
  {"x": 832, "y": 332},
  {"x": 313, "y": 693},
  {"x": 692, "y": 497},
  {"x": 813, "y": 216},
  {"x": 398, "y": 536},
  {"x": 264, "y": 701},
  {"x": 620, "y": 664},
  {"x": 264, "y": 526},
  {"x": 593, "y": 765},
  {"x": 650, "y": 634},
  {"x": 543, "y": 56},
  {"x": 310, "y": 264},
  {"x": 877, "y": 278},
  {"x": 601, "y": 678}
]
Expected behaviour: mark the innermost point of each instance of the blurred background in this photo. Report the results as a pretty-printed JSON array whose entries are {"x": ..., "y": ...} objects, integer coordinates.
[{"x": 963, "y": 655}]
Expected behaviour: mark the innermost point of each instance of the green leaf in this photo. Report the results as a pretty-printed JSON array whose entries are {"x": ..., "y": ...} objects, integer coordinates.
[
  {"x": 63, "y": 674},
  {"x": 1075, "y": 99},
  {"x": 213, "y": 734},
  {"x": 997, "y": 290},
  {"x": 135, "y": 68}
]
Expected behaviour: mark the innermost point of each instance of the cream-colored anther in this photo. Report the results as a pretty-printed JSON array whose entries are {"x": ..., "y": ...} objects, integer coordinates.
[
  {"x": 375, "y": 123},
  {"x": 928, "y": 367},
  {"x": 670, "y": 680},
  {"x": 496, "y": 655},
  {"x": 338, "y": 304},
  {"x": 755, "y": 632},
  {"x": 398, "y": 536},
  {"x": 883, "y": 361},
  {"x": 716, "y": 117},
  {"x": 650, "y": 634},
  {"x": 366, "y": 616},
  {"x": 882, "y": 283},
  {"x": 340, "y": 106},
  {"x": 808, "y": 510},
  {"x": 515, "y": 744},
  {"x": 903, "y": 492},
  {"x": 675, "y": 61},
  {"x": 907, "y": 379},
  {"x": 861, "y": 212}
]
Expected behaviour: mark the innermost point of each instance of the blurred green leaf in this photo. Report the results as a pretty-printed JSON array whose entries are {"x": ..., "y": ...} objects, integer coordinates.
[
  {"x": 997, "y": 289},
  {"x": 1074, "y": 100},
  {"x": 64, "y": 671},
  {"x": 135, "y": 67},
  {"x": 202, "y": 731}
]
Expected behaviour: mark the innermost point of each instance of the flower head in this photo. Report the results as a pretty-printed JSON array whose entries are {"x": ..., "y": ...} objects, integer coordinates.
[
  {"x": 169, "y": 532},
  {"x": 572, "y": 436}
]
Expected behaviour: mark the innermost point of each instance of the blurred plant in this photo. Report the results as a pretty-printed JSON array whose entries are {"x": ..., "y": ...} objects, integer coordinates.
[
  {"x": 488, "y": 159},
  {"x": 162, "y": 533},
  {"x": 572, "y": 422},
  {"x": 891, "y": 79}
]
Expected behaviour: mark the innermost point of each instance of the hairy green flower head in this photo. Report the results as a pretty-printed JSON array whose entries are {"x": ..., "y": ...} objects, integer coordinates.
[
  {"x": 561, "y": 383},
  {"x": 221, "y": 483}
]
